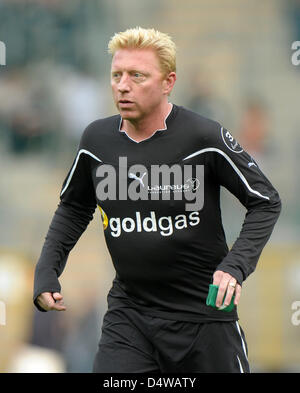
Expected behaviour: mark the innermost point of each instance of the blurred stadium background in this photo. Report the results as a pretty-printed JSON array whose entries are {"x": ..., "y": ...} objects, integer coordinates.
[{"x": 234, "y": 65}]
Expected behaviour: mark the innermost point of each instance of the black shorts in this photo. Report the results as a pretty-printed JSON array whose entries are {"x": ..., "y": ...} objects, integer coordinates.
[{"x": 132, "y": 342}]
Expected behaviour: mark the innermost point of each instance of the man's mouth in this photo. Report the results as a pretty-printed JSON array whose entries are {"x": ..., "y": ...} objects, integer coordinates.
[{"x": 125, "y": 102}]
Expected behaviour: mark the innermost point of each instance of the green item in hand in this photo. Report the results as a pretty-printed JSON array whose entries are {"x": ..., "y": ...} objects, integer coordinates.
[{"x": 212, "y": 297}]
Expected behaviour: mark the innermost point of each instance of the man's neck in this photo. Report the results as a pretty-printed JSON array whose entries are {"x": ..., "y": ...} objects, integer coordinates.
[{"x": 145, "y": 128}]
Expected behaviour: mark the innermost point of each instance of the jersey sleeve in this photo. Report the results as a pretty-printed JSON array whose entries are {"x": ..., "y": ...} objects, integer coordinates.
[
  {"x": 237, "y": 171},
  {"x": 74, "y": 212}
]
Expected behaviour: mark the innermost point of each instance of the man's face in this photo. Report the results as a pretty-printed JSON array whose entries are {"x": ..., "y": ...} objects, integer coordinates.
[{"x": 137, "y": 83}]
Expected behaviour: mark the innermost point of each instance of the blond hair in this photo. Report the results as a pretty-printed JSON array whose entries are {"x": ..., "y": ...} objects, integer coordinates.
[{"x": 140, "y": 38}]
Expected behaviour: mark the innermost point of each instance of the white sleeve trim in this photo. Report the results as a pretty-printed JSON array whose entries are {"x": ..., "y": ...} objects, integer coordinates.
[
  {"x": 74, "y": 167},
  {"x": 236, "y": 169}
]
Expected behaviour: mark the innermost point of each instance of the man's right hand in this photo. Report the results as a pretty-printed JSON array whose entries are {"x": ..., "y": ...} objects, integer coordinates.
[{"x": 51, "y": 301}]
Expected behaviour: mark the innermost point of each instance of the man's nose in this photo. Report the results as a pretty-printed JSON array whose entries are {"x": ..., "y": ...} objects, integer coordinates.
[{"x": 124, "y": 83}]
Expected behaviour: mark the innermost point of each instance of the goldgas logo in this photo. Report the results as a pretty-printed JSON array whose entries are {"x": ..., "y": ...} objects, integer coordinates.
[
  {"x": 164, "y": 225},
  {"x": 230, "y": 142}
]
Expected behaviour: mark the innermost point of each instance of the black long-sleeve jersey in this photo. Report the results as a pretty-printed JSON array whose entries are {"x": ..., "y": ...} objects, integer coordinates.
[{"x": 160, "y": 205}]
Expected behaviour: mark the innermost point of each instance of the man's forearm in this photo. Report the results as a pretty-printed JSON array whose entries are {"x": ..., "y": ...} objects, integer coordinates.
[
  {"x": 245, "y": 252},
  {"x": 68, "y": 224}
]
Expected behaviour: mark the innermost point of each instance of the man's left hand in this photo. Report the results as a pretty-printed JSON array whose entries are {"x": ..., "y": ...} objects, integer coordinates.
[{"x": 228, "y": 283}]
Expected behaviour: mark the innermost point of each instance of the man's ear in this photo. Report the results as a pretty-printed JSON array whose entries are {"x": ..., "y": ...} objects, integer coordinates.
[{"x": 168, "y": 83}]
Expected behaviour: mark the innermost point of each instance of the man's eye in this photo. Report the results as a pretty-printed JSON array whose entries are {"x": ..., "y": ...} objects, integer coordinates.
[{"x": 137, "y": 75}]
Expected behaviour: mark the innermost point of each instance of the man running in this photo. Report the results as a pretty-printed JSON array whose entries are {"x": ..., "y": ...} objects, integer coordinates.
[{"x": 155, "y": 172}]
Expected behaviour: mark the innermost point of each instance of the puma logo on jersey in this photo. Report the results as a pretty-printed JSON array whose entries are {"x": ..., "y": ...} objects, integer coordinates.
[
  {"x": 140, "y": 179},
  {"x": 251, "y": 163}
]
